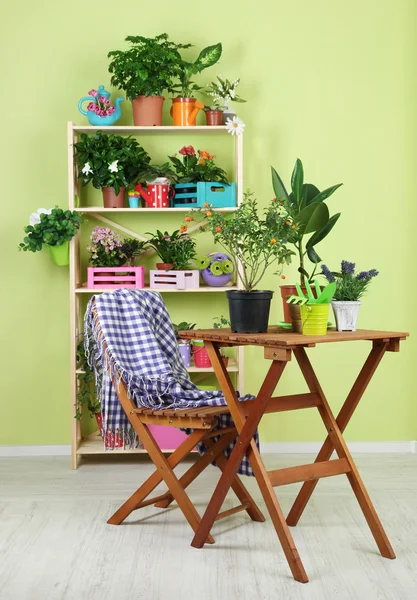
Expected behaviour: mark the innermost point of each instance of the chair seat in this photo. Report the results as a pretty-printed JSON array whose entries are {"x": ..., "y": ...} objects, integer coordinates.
[{"x": 203, "y": 417}]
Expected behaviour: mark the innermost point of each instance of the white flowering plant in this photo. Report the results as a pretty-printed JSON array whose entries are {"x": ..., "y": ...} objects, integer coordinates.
[
  {"x": 109, "y": 160},
  {"x": 223, "y": 92}
]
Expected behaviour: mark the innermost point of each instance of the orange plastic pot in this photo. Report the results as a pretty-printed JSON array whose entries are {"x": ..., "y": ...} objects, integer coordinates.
[{"x": 185, "y": 110}]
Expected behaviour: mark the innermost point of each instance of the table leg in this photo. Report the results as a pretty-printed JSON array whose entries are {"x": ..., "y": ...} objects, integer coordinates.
[
  {"x": 345, "y": 414},
  {"x": 342, "y": 450},
  {"x": 247, "y": 428}
]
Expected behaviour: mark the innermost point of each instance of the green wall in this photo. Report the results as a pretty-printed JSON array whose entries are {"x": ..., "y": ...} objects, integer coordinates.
[{"x": 329, "y": 81}]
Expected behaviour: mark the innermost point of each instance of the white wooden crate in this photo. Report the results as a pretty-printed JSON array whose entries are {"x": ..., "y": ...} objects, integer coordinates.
[{"x": 180, "y": 280}]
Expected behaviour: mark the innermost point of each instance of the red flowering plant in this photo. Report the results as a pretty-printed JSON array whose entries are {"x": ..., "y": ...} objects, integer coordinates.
[{"x": 197, "y": 166}]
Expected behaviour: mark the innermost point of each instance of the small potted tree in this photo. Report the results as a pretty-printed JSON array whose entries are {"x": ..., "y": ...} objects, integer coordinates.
[
  {"x": 309, "y": 213},
  {"x": 54, "y": 227},
  {"x": 144, "y": 71},
  {"x": 350, "y": 287},
  {"x": 110, "y": 162},
  {"x": 185, "y": 107},
  {"x": 255, "y": 242}
]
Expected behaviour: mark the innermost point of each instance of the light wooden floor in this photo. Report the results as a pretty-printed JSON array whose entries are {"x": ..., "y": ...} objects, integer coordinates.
[{"x": 55, "y": 543}]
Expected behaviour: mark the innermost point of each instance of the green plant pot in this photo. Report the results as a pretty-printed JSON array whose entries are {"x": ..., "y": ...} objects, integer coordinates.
[{"x": 60, "y": 254}]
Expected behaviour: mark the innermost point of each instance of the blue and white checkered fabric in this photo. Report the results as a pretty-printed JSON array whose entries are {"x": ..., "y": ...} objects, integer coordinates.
[{"x": 141, "y": 344}]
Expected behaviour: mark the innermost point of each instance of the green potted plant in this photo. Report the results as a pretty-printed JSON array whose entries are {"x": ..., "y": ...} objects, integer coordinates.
[
  {"x": 223, "y": 92},
  {"x": 255, "y": 242},
  {"x": 184, "y": 345},
  {"x": 132, "y": 249},
  {"x": 185, "y": 107},
  {"x": 350, "y": 287},
  {"x": 310, "y": 215},
  {"x": 197, "y": 166},
  {"x": 54, "y": 227},
  {"x": 110, "y": 162},
  {"x": 144, "y": 71},
  {"x": 105, "y": 248},
  {"x": 175, "y": 250}
]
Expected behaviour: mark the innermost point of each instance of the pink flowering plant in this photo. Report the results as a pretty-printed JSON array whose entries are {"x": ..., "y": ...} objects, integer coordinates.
[
  {"x": 101, "y": 105},
  {"x": 197, "y": 166},
  {"x": 105, "y": 248}
]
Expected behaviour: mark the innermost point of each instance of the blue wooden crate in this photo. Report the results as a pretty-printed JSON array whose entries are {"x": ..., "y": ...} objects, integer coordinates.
[{"x": 194, "y": 195}]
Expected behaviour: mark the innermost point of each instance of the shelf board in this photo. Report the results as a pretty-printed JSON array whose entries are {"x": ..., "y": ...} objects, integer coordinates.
[
  {"x": 93, "y": 444},
  {"x": 101, "y": 209},
  {"x": 162, "y": 130},
  {"x": 232, "y": 367},
  {"x": 204, "y": 289}
]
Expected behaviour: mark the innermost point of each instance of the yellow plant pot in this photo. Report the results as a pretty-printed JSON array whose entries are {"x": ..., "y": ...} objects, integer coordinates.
[{"x": 314, "y": 318}]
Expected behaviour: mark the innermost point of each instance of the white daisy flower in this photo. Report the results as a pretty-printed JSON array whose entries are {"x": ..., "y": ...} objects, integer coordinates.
[
  {"x": 113, "y": 168},
  {"x": 86, "y": 170},
  {"x": 235, "y": 126},
  {"x": 35, "y": 218}
]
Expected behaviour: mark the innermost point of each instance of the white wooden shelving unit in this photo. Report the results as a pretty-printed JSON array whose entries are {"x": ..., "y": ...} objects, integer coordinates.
[{"x": 93, "y": 444}]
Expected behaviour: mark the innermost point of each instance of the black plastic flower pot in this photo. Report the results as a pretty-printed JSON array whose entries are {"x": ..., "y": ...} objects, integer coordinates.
[{"x": 249, "y": 311}]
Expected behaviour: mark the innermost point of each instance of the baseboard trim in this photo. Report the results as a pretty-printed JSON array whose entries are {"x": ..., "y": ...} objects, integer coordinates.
[
  {"x": 56, "y": 450},
  {"x": 355, "y": 447},
  {"x": 266, "y": 448}
]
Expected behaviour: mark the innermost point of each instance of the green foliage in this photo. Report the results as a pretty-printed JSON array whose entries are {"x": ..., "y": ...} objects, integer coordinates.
[
  {"x": 196, "y": 167},
  {"x": 219, "y": 322},
  {"x": 175, "y": 248},
  {"x": 131, "y": 249},
  {"x": 250, "y": 239},
  {"x": 151, "y": 172},
  {"x": 86, "y": 396},
  {"x": 186, "y": 70},
  {"x": 148, "y": 67},
  {"x": 183, "y": 326},
  {"x": 350, "y": 286},
  {"x": 109, "y": 160},
  {"x": 223, "y": 92},
  {"x": 54, "y": 229},
  {"x": 305, "y": 205}
]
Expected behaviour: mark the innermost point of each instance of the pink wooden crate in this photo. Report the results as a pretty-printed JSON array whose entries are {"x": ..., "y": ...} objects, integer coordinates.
[
  {"x": 180, "y": 280},
  {"x": 112, "y": 278}
]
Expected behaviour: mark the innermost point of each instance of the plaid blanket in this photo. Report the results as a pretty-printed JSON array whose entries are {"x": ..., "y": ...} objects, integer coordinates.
[{"x": 141, "y": 345}]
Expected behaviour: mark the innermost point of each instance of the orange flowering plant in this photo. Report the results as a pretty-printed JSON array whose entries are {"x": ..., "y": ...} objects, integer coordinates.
[
  {"x": 253, "y": 240},
  {"x": 197, "y": 166}
]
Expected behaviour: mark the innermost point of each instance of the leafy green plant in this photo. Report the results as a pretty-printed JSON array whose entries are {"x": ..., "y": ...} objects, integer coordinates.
[
  {"x": 223, "y": 92},
  {"x": 86, "y": 396},
  {"x": 219, "y": 322},
  {"x": 350, "y": 286},
  {"x": 148, "y": 67},
  {"x": 52, "y": 227},
  {"x": 109, "y": 160},
  {"x": 183, "y": 326},
  {"x": 197, "y": 166},
  {"x": 254, "y": 241},
  {"x": 306, "y": 207},
  {"x": 186, "y": 70},
  {"x": 131, "y": 249},
  {"x": 152, "y": 172},
  {"x": 175, "y": 248}
]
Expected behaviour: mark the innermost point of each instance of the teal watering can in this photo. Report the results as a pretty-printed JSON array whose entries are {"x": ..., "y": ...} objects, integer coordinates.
[{"x": 95, "y": 119}]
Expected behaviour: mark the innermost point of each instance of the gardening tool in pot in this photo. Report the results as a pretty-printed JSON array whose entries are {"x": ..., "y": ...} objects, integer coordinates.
[{"x": 158, "y": 193}]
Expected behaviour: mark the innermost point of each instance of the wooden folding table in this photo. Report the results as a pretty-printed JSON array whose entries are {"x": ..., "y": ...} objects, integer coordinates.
[{"x": 279, "y": 346}]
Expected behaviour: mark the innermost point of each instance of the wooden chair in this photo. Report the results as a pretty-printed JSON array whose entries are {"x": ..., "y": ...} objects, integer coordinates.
[{"x": 203, "y": 421}]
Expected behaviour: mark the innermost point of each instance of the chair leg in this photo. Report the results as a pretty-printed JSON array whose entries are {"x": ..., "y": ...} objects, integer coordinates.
[{"x": 155, "y": 479}]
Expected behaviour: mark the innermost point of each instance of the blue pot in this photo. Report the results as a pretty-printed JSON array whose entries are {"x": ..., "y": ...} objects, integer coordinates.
[
  {"x": 96, "y": 120},
  {"x": 134, "y": 201}
]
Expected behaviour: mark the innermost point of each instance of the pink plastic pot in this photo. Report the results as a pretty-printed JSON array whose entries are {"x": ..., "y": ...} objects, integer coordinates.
[{"x": 201, "y": 358}]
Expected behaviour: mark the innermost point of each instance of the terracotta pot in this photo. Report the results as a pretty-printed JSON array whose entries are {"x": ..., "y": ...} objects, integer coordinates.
[
  {"x": 110, "y": 200},
  {"x": 147, "y": 111},
  {"x": 164, "y": 266},
  {"x": 184, "y": 111},
  {"x": 214, "y": 117},
  {"x": 290, "y": 290},
  {"x": 295, "y": 314}
]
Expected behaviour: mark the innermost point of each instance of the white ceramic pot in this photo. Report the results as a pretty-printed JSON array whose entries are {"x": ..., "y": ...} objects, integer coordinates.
[{"x": 346, "y": 314}]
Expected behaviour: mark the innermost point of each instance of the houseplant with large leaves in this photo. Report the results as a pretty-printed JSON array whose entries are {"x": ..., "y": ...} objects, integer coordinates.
[
  {"x": 185, "y": 107},
  {"x": 110, "y": 162},
  {"x": 307, "y": 207},
  {"x": 144, "y": 72}
]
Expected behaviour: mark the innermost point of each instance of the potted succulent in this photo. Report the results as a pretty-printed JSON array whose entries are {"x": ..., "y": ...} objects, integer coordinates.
[
  {"x": 110, "y": 162},
  {"x": 132, "y": 249},
  {"x": 184, "y": 345},
  {"x": 310, "y": 215},
  {"x": 255, "y": 242},
  {"x": 54, "y": 227},
  {"x": 350, "y": 287},
  {"x": 216, "y": 269},
  {"x": 223, "y": 92},
  {"x": 175, "y": 250},
  {"x": 185, "y": 107},
  {"x": 144, "y": 71}
]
